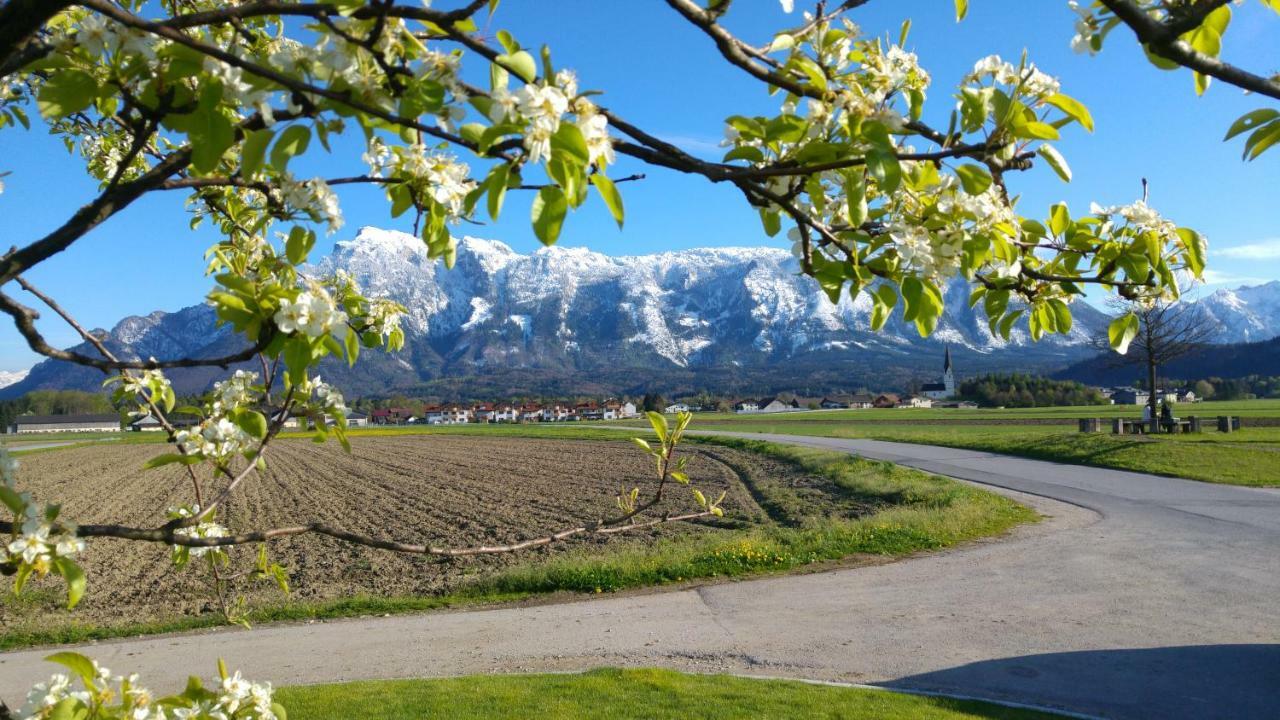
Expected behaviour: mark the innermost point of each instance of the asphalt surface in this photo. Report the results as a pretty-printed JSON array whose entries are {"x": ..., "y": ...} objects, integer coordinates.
[{"x": 1138, "y": 597}]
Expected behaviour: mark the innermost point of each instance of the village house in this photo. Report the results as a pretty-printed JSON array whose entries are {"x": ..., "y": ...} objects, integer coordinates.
[
  {"x": 531, "y": 412},
  {"x": 391, "y": 416},
  {"x": 915, "y": 401},
  {"x": 886, "y": 400},
  {"x": 483, "y": 413},
  {"x": 589, "y": 411},
  {"x": 556, "y": 413},
  {"x": 859, "y": 401},
  {"x": 674, "y": 408},
  {"x": 615, "y": 410},
  {"x": 506, "y": 413},
  {"x": 746, "y": 406},
  {"x": 1130, "y": 396},
  {"x": 776, "y": 404}
]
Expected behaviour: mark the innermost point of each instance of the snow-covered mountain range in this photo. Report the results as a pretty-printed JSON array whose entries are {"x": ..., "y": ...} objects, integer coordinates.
[{"x": 564, "y": 320}]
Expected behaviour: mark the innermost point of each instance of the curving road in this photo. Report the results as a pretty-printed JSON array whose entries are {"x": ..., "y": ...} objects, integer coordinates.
[{"x": 1138, "y": 597}]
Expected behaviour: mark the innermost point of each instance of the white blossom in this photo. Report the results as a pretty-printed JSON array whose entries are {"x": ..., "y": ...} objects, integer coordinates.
[{"x": 313, "y": 197}]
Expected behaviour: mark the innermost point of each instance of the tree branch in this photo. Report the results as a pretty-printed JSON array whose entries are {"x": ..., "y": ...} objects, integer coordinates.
[{"x": 1163, "y": 40}]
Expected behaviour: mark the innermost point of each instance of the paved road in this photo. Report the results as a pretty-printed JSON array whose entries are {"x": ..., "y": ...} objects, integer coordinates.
[{"x": 1139, "y": 597}]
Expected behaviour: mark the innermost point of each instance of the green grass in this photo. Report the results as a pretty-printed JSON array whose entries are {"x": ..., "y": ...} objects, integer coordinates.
[
  {"x": 909, "y": 511},
  {"x": 1243, "y": 408},
  {"x": 609, "y": 694},
  {"x": 1248, "y": 457}
]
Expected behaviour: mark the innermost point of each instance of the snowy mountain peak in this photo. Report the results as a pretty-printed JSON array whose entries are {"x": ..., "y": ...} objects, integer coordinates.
[
  {"x": 1250, "y": 313},
  {"x": 705, "y": 317}
]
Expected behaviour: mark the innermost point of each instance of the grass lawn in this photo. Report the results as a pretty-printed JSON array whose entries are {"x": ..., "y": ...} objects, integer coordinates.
[
  {"x": 614, "y": 694},
  {"x": 1248, "y": 457},
  {"x": 868, "y": 508}
]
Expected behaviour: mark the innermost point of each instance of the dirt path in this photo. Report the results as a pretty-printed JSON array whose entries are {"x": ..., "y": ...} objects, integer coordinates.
[{"x": 1139, "y": 597}]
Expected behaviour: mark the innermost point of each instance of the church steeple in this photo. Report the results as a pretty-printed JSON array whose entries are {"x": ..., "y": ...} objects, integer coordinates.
[{"x": 946, "y": 363}]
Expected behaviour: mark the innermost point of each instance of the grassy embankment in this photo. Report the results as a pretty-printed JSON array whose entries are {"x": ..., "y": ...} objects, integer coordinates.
[
  {"x": 873, "y": 509},
  {"x": 610, "y": 693}
]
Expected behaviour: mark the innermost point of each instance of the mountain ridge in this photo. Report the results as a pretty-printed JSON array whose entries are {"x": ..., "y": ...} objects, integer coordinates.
[{"x": 724, "y": 319}]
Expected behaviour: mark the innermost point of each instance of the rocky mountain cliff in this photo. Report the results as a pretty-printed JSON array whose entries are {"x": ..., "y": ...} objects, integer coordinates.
[{"x": 569, "y": 320}]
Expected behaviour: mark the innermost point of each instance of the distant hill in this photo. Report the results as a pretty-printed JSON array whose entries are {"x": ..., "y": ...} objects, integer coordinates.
[{"x": 1225, "y": 361}]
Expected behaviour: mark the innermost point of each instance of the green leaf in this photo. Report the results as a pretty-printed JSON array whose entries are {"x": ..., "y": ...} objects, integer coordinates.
[
  {"x": 1036, "y": 129},
  {"x": 569, "y": 141},
  {"x": 974, "y": 178},
  {"x": 1262, "y": 138},
  {"x": 612, "y": 198},
  {"x": 1073, "y": 108},
  {"x": 855, "y": 189},
  {"x": 169, "y": 459},
  {"x": 884, "y": 167},
  {"x": 253, "y": 151},
  {"x": 299, "y": 244},
  {"x": 297, "y": 357},
  {"x": 644, "y": 444},
  {"x": 12, "y": 500},
  {"x": 210, "y": 131},
  {"x": 771, "y": 220},
  {"x": 293, "y": 141},
  {"x": 1122, "y": 331},
  {"x": 548, "y": 213},
  {"x": 76, "y": 663},
  {"x": 1061, "y": 315},
  {"x": 1251, "y": 120},
  {"x": 1194, "y": 245},
  {"x": 497, "y": 181},
  {"x": 252, "y": 422},
  {"x": 66, "y": 92},
  {"x": 67, "y": 709},
  {"x": 1059, "y": 219},
  {"x": 521, "y": 63},
  {"x": 74, "y": 576},
  {"x": 1055, "y": 160},
  {"x": 962, "y": 9}
]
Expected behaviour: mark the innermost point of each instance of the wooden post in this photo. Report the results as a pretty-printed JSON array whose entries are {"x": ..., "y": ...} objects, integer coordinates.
[
  {"x": 1193, "y": 424},
  {"x": 1224, "y": 423},
  {"x": 1117, "y": 426}
]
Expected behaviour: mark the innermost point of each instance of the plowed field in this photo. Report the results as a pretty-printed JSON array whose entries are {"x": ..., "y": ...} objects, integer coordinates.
[{"x": 435, "y": 489}]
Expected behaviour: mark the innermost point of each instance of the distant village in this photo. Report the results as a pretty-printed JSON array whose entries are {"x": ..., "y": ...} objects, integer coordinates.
[{"x": 939, "y": 394}]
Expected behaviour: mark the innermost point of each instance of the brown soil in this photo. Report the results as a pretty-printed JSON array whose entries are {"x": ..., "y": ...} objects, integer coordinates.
[{"x": 454, "y": 491}]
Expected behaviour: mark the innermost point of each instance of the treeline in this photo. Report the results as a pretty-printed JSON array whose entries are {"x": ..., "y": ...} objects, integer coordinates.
[
  {"x": 1017, "y": 390},
  {"x": 1243, "y": 388},
  {"x": 53, "y": 402}
]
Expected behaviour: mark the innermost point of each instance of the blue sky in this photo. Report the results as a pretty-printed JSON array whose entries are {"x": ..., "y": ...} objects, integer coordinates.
[{"x": 666, "y": 77}]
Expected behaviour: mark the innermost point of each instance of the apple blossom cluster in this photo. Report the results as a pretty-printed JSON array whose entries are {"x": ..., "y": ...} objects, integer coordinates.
[
  {"x": 206, "y": 528},
  {"x": 312, "y": 313},
  {"x": 103, "y": 695},
  {"x": 313, "y": 197},
  {"x": 216, "y": 438},
  {"x": 327, "y": 398},
  {"x": 239, "y": 390},
  {"x": 1030, "y": 79},
  {"x": 1140, "y": 216},
  {"x": 542, "y": 106}
]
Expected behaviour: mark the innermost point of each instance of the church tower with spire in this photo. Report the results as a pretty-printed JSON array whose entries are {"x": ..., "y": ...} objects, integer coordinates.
[{"x": 946, "y": 387}]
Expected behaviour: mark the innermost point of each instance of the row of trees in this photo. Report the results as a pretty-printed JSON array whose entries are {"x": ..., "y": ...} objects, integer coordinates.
[
  {"x": 1020, "y": 390},
  {"x": 53, "y": 402}
]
